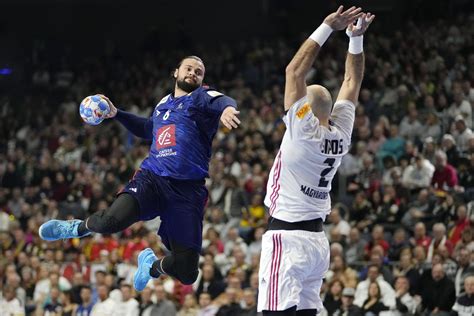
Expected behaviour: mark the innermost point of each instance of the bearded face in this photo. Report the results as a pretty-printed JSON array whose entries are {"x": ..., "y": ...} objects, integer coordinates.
[{"x": 189, "y": 75}]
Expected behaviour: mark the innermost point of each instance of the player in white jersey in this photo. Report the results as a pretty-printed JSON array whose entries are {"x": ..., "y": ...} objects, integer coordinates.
[{"x": 295, "y": 251}]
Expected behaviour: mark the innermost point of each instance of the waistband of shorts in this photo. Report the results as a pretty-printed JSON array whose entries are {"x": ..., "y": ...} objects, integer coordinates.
[{"x": 314, "y": 225}]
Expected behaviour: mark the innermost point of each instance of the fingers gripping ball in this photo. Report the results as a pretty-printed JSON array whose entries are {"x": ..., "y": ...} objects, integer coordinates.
[{"x": 93, "y": 109}]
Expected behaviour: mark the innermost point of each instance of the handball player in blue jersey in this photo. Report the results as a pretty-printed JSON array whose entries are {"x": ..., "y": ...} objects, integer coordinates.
[{"x": 170, "y": 181}]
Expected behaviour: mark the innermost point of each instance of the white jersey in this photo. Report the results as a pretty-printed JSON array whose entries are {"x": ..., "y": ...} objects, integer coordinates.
[{"x": 300, "y": 180}]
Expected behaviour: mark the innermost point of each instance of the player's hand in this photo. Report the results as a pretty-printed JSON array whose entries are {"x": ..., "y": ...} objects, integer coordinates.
[
  {"x": 229, "y": 117},
  {"x": 362, "y": 25},
  {"x": 339, "y": 20},
  {"x": 113, "y": 109}
]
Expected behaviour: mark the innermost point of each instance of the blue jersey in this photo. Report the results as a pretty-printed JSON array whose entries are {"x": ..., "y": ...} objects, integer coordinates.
[{"x": 183, "y": 130}]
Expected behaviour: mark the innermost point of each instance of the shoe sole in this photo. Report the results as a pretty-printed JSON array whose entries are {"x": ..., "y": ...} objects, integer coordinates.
[{"x": 141, "y": 257}]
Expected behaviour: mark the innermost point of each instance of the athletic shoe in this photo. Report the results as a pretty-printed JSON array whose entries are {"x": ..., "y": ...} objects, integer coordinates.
[
  {"x": 142, "y": 275},
  {"x": 56, "y": 230}
]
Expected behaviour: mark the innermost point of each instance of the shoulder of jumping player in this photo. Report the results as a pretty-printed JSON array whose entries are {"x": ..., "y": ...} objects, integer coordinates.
[
  {"x": 213, "y": 99},
  {"x": 209, "y": 93}
]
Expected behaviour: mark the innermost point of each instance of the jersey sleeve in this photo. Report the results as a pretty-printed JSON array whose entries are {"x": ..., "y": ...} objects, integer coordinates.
[
  {"x": 138, "y": 126},
  {"x": 342, "y": 117},
  {"x": 215, "y": 102},
  {"x": 300, "y": 120}
]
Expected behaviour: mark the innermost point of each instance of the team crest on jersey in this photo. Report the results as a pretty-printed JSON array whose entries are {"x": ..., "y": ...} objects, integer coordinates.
[
  {"x": 165, "y": 141},
  {"x": 303, "y": 111},
  {"x": 166, "y": 136}
]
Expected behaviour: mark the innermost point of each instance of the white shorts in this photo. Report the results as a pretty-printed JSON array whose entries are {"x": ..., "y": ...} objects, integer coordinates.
[{"x": 292, "y": 266}]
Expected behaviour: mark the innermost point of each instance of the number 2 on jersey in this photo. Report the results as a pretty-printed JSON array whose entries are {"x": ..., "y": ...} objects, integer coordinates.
[{"x": 323, "y": 183}]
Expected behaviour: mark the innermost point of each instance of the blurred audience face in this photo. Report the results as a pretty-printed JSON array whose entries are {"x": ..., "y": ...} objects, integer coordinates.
[
  {"x": 420, "y": 230},
  {"x": 374, "y": 291},
  {"x": 207, "y": 272},
  {"x": 204, "y": 300},
  {"x": 126, "y": 293},
  {"x": 437, "y": 272},
  {"x": 249, "y": 298},
  {"x": 469, "y": 285},
  {"x": 160, "y": 293},
  {"x": 189, "y": 301},
  {"x": 373, "y": 273},
  {"x": 402, "y": 285},
  {"x": 464, "y": 257},
  {"x": 86, "y": 295},
  {"x": 103, "y": 292}
]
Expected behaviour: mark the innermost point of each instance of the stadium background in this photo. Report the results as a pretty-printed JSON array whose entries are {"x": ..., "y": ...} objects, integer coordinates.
[{"x": 419, "y": 79}]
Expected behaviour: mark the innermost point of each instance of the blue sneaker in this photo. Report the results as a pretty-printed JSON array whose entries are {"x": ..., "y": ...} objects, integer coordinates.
[
  {"x": 56, "y": 230},
  {"x": 142, "y": 275}
]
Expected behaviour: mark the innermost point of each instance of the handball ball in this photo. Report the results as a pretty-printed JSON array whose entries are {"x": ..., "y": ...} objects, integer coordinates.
[{"x": 93, "y": 109}]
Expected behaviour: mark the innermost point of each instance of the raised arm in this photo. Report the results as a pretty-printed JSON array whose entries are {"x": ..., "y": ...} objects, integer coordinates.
[
  {"x": 299, "y": 66},
  {"x": 138, "y": 126},
  {"x": 355, "y": 60}
]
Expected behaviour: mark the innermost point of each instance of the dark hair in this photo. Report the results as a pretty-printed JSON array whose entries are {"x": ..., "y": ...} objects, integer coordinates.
[
  {"x": 379, "y": 295},
  {"x": 189, "y": 57}
]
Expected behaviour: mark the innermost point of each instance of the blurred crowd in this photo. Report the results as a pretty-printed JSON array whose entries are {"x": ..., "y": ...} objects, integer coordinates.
[{"x": 400, "y": 229}]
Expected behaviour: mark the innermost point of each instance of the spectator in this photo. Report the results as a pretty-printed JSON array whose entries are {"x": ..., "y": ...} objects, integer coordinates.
[
  {"x": 249, "y": 303},
  {"x": 445, "y": 176},
  {"x": 439, "y": 238},
  {"x": 338, "y": 222},
  {"x": 465, "y": 269},
  {"x": 418, "y": 175},
  {"x": 189, "y": 307},
  {"x": 338, "y": 270},
  {"x": 205, "y": 306},
  {"x": 462, "y": 223},
  {"x": 438, "y": 294},
  {"x": 387, "y": 294},
  {"x": 348, "y": 308},
  {"x": 460, "y": 108},
  {"x": 393, "y": 146},
  {"x": 85, "y": 308},
  {"x": 68, "y": 307},
  {"x": 462, "y": 134},
  {"x": 146, "y": 303},
  {"x": 407, "y": 269},
  {"x": 377, "y": 239},
  {"x": 105, "y": 306},
  {"x": 406, "y": 304},
  {"x": 373, "y": 304},
  {"x": 398, "y": 243},
  {"x": 209, "y": 283},
  {"x": 355, "y": 247},
  {"x": 420, "y": 237},
  {"x": 464, "y": 305},
  {"x": 449, "y": 147},
  {"x": 332, "y": 301},
  {"x": 163, "y": 306},
  {"x": 230, "y": 305},
  {"x": 10, "y": 304},
  {"x": 431, "y": 127},
  {"x": 410, "y": 127}
]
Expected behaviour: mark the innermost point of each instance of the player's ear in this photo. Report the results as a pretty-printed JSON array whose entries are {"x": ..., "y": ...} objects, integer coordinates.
[{"x": 175, "y": 74}]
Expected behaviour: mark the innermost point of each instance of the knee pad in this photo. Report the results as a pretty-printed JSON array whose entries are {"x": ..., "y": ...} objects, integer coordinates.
[
  {"x": 104, "y": 224},
  {"x": 185, "y": 266}
]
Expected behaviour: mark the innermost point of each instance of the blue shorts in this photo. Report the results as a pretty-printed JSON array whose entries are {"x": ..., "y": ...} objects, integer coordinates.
[{"x": 179, "y": 203}]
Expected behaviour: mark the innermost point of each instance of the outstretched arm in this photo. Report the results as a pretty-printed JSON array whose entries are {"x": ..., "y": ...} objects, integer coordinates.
[
  {"x": 298, "y": 68},
  {"x": 138, "y": 126},
  {"x": 355, "y": 60}
]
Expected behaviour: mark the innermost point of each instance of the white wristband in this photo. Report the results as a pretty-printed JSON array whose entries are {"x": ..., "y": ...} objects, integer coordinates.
[
  {"x": 356, "y": 45},
  {"x": 321, "y": 34}
]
